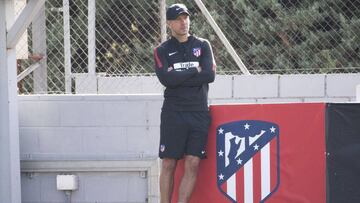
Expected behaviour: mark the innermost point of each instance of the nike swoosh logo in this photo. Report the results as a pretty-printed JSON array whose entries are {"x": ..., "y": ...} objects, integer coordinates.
[{"x": 172, "y": 53}]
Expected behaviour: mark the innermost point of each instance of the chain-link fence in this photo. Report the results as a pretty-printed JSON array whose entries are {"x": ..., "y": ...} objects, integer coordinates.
[
  {"x": 105, "y": 46},
  {"x": 292, "y": 36}
]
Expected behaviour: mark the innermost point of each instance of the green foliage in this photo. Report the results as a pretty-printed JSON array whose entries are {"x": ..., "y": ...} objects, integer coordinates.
[
  {"x": 287, "y": 36},
  {"x": 300, "y": 34}
]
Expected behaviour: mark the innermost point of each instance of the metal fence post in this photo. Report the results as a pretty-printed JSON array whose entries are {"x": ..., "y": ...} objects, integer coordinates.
[
  {"x": 162, "y": 8},
  {"x": 67, "y": 46},
  {"x": 10, "y": 191},
  {"x": 222, "y": 37},
  {"x": 91, "y": 37},
  {"x": 39, "y": 47}
]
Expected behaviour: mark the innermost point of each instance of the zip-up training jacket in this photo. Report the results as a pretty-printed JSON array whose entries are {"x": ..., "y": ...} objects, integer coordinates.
[{"x": 175, "y": 66}]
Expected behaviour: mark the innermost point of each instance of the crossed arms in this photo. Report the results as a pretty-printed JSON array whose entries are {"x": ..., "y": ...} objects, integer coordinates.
[{"x": 187, "y": 77}]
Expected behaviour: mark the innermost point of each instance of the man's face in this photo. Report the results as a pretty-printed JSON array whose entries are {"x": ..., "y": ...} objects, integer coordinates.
[{"x": 180, "y": 26}]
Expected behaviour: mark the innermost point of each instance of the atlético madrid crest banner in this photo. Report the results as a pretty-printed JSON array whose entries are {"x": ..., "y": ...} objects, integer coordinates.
[{"x": 272, "y": 153}]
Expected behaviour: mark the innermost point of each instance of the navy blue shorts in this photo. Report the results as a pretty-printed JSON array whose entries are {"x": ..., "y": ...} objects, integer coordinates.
[{"x": 183, "y": 133}]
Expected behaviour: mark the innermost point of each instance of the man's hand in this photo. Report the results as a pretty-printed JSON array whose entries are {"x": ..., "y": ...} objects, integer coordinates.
[{"x": 198, "y": 69}]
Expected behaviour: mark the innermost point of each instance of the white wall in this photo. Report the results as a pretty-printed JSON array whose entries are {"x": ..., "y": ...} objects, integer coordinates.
[
  {"x": 112, "y": 140},
  {"x": 247, "y": 89}
]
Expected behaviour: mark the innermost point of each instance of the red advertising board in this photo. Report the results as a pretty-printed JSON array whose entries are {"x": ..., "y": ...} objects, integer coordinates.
[{"x": 272, "y": 153}]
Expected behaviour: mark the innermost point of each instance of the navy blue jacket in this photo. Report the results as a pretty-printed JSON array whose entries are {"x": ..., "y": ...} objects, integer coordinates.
[{"x": 175, "y": 66}]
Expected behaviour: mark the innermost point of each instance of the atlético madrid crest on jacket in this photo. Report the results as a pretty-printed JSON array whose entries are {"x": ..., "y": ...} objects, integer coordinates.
[
  {"x": 247, "y": 160},
  {"x": 197, "y": 51}
]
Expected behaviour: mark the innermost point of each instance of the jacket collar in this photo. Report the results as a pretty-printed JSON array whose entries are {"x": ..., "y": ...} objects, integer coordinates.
[{"x": 174, "y": 40}]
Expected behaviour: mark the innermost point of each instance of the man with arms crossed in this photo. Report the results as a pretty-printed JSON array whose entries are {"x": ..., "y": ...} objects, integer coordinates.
[{"x": 185, "y": 65}]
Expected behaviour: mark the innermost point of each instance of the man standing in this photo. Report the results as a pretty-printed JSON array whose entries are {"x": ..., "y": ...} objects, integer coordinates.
[{"x": 185, "y": 65}]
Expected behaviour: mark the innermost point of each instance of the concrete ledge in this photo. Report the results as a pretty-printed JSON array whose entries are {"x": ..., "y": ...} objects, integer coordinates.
[
  {"x": 84, "y": 165},
  {"x": 302, "y": 86},
  {"x": 123, "y": 85},
  {"x": 328, "y": 99},
  {"x": 232, "y": 101},
  {"x": 279, "y": 100},
  {"x": 341, "y": 85},
  {"x": 94, "y": 97},
  {"x": 256, "y": 86},
  {"x": 222, "y": 87}
]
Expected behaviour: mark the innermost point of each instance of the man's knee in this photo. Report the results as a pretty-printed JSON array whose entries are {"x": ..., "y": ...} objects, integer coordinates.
[
  {"x": 192, "y": 163},
  {"x": 168, "y": 165}
]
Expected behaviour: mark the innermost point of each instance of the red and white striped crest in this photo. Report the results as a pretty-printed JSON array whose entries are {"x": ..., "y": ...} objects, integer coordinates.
[{"x": 248, "y": 160}]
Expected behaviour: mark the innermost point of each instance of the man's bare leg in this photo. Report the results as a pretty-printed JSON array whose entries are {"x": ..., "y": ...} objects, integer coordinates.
[
  {"x": 189, "y": 179},
  {"x": 168, "y": 167}
]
